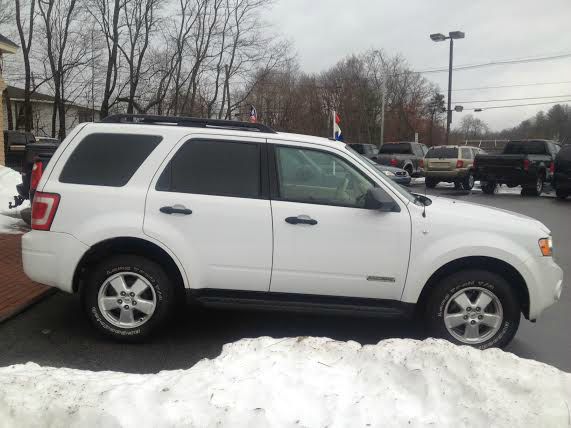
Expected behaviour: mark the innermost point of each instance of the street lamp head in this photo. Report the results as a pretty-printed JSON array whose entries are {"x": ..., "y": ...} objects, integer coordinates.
[
  {"x": 458, "y": 109},
  {"x": 456, "y": 35},
  {"x": 478, "y": 110},
  {"x": 438, "y": 37}
]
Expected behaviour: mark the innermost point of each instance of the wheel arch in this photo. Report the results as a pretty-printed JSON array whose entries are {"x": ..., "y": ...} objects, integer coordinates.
[
  {"x": 491, "y": 264},
  {"x": 127, "y": 245}
]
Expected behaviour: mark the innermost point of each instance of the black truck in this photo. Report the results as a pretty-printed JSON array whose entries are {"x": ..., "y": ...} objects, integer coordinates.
[
  {"x": 35, "y": 159},
  {"x": 525, "y": 163},
  {"x": 15, "y": 143},
  {"x": 562, "y": 176}
]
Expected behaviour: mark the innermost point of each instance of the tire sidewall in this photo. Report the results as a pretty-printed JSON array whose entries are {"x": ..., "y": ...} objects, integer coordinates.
[
  {"x": 128, "y": 264},
  {"x": 462, "y": 280}
]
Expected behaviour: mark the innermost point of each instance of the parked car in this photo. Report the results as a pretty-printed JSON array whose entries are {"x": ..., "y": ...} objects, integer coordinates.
[
  {"x": 368, "y": 150},
  {"x": 398, "y": 175},
  {"x": 450, "y": 164},
  {"x": 562, "y": 175},
  {"x": 405, "y": 155},
  {"x": 133, "y": 212},
  {"x": 14, "y": 147},
  {"x": 526, "y": 163}
]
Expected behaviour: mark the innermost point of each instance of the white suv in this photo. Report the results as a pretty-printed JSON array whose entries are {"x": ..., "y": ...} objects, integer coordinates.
[{"x": 133, "y": 212}]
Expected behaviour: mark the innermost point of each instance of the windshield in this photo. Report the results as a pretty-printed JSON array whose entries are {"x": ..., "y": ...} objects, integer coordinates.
[
  {"x": 396, "y": 148},
  {"x": 396, "y": 187},
  {"x": 442, "y": 153}
]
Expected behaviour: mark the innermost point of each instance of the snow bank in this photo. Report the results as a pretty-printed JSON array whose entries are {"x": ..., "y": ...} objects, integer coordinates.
[
  {"x": 10, "y": 220},
  {"x": 311, "y": 382}
]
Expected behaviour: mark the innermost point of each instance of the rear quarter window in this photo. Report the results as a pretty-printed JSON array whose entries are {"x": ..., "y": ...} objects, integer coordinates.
[{"x": 106, "y": 159}]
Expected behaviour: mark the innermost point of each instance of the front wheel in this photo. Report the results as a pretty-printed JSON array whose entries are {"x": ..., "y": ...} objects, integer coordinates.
[
  {"x": 476, "y": 308},
  {"x": 128, "y": 297}
]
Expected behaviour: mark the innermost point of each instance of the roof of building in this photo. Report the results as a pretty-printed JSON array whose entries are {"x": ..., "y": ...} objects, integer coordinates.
[
  {"x": 18, "y": 94},
  {"x": 7, "y": 43}
]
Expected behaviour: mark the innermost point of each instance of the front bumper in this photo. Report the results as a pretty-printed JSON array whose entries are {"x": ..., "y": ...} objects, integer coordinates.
[
  {"x": 50, "y": 258},
  {"x": 547, "y": 284}
]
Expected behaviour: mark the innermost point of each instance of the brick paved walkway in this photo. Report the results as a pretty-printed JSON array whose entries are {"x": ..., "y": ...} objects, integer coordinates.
[{"x": 17, "y": 292}]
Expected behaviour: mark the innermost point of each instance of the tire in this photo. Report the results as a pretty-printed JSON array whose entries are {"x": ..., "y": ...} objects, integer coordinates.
[
  {"x": 441, "y": 306},
  {"x": 158, "y": 290},
  {"x": 468, "y": 183},
  {"x": 561, "y": 194},
  {"x": 535, "y": 190},
  {"x": 457, "y": 185},
  {"x": 409, "y": 169},
  {"x": 489, "y": 187},
  {"x": 431, "y": 182}
]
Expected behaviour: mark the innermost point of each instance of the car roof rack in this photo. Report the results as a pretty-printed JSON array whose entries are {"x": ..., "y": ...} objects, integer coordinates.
[{"x": 191, "y": 122}]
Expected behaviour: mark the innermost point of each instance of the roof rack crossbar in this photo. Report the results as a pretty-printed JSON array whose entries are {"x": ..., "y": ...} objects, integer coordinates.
[{"x": 192, "y": 122}]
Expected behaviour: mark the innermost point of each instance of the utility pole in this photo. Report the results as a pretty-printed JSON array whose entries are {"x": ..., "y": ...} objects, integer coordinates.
[
  {"x": 439, "y": 37},
  {"x": 383, "y": 101}
]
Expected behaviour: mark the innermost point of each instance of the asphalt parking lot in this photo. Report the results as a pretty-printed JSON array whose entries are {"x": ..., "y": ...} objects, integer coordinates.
[{"x": 54, "y": 332}]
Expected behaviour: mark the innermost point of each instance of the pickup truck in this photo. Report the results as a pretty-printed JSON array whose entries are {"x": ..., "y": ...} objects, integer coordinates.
[
  {"x": 15, "y": 146},
  {"x": 35, "y": 159},
  {"x": 405, "y": 155},
  {"x": 525, "y": 163}
]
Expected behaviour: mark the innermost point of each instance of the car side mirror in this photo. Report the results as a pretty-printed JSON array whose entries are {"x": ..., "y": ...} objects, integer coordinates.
[{"x": 377, "y": 199}]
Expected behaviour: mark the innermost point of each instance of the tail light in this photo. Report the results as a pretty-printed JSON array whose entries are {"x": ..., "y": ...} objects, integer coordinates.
[
  {"x": 526, "y": 164},
  {"x": 37, "y": 171},
  {"x": 421, "y": 163},
  {"x": 552, "y": 167},
  {"x": 44, "y": 210},
  {"x": 459, "y": 163},
  {"x": 394, "y": 162}
]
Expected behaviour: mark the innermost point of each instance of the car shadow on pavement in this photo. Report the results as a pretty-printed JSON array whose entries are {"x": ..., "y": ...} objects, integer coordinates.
[{"x": 56, "y": 333}]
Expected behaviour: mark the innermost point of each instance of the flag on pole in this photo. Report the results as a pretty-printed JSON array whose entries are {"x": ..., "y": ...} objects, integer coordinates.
[
  {"x": 337, "y": 135},
  {"x": 253, "y": 114}
]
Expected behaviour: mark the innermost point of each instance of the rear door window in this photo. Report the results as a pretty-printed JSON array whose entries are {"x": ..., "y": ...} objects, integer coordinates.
[
  {"x": 467, "y": 153},
  {"x": 221, "y": 168},
  {"x": 442, "y": 153},
  {"x": 106, "y": 159}
]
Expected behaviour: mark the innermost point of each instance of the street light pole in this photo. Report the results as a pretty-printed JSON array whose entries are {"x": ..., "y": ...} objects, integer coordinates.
[
  {"x": 439, "y": 37},
  {"x": 449, "y": 110}
]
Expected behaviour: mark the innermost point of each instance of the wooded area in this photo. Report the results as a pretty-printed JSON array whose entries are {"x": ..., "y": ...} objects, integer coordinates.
[{"x": 215, "y": 58}]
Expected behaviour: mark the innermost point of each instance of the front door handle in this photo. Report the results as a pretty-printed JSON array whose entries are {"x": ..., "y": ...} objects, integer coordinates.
[
  {"x": 301, "y": 219},
  {"x": 176, "y": 209}
]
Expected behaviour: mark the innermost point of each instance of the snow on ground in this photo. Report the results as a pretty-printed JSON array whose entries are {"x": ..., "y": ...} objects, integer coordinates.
[
  {"x": 10, "y": 220},
  {"x": 300, "y": 382}
]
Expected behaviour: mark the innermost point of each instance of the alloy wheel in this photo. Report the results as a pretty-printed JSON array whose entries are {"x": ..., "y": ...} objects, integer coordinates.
[
  {"x": 473, "y": 315},
  {"x": 127, "y": 300}
]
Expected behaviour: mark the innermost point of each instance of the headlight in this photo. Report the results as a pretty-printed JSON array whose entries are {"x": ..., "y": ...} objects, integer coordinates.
[
  {"x": 546, "y": 246},
  {"x": 388, "y": 173}
]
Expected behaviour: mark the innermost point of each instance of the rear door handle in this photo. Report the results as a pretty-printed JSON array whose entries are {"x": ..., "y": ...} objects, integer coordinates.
[
  {"x": 301, "y": 219},
  {"x": 176, "y": 209}
]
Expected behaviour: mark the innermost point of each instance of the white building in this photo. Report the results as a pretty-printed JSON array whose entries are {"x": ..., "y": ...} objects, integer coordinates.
[{"x": 42, "y": 110}]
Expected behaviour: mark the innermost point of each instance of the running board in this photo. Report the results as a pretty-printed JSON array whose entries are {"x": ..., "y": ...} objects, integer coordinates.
[{"x": 303, "y": 303}]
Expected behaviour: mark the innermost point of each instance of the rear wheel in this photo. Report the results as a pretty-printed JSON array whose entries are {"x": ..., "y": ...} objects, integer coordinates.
[
  {"x": 489, "y": 187},
  {"x": 128, "y": 297},
  {"x": 431, "y": 182},
  {"x": 468, "y": 183},
  {"x": 561, "y": 194},
  {"x": 457, "y": 185},
  {"x": 534, "y": 190},
  {"x": 408, "y": 169},
  {"x": 475, "y": 308}
]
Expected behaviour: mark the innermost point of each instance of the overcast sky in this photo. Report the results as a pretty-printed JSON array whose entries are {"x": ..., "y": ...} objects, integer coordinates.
[{"x": 325, "y": 31}]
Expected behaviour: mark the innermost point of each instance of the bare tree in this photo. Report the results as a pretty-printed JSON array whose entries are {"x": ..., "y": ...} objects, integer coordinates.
[
  {"x": 106, "y": 14},
  {"x": 66, "y": 51},
  {"x": 140, "y": 18},
  {"x": 26, "y": 40},
  {"x": 6, "y": 12}
]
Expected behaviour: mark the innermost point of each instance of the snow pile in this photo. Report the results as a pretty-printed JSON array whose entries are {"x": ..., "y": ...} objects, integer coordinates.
[
  {"x": 10, "y": 220},
  {"x": 307, "y": 382}
]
